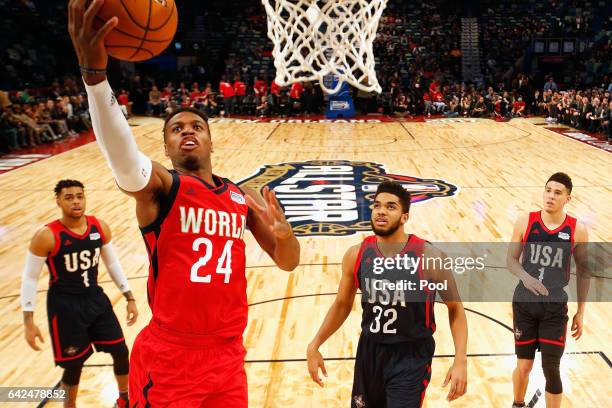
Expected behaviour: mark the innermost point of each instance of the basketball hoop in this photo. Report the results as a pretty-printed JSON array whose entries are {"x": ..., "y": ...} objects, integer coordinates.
[{"x": 316, "y": 38}]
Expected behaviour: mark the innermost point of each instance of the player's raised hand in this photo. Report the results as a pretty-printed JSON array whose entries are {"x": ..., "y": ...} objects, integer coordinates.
[
  {"x": 31, "y": 333},
  {"x": 271, "y": 214},
  {"x": 534, "y": 285},
  {"x": 577, "y": 326},
  {"x": 315, "y": 361},
  {"x": 88, "y": 41},
  {"x": 457, "y": 376},
  {"x": 132, "y": 312}
]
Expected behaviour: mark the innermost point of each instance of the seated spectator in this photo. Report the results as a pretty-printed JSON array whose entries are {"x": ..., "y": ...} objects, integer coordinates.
[
  {"x": 263, "y": 109},
  {"x": 518, "y": 108},
  {"x": 480, "y": 108},
  {"x": 295, "y": 94},
  {"x": 124, "y": 103},
  {"x": 438, "y": 101},
  {"x": 260, "y": 87},
  {"x": 155, "y": 104},
  {"x": 400, "y": 106},
  {"x": 550, "y": 85}
]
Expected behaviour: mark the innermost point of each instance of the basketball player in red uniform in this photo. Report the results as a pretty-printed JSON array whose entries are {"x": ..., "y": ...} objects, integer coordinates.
[
  {"x": 396, "y": 346},
  {"x": 193, "y": 222},
  {"x": 79, "y": 312},
  {"x": 544, "y": 242}
]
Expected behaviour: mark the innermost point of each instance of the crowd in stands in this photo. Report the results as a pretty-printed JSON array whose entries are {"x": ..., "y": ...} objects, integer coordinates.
[
  {"x": 44, "y": 116},
  {"x": 417, "y": 51}
]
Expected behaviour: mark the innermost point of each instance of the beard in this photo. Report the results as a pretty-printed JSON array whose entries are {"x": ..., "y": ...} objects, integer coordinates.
[
  {"x": 385, "y": 232},
  {"x": 190, "y": 163}
]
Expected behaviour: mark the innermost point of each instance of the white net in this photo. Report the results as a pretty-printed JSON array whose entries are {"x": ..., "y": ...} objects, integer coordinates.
[{"x": 316, "y": 38}]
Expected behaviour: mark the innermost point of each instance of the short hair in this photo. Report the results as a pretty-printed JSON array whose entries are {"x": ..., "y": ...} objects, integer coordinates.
[
  {"x": 180, "y": 110},
  {"x": 562, "y": 178},
  {"x": 66, "y": 184},
  {"x": 397, "y": 190}
]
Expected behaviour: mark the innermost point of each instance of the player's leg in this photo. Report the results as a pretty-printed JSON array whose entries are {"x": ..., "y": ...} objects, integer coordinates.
[
  {"x": 406, "y": 388},
  {"x": 407, "y": 373},
  {"x": 69, "y": 339},
  {"x": 226, "y": 364},
  {"x": 106, "y": 335},
  {"x": 70, "y": 383},
  {"x": 368, "y": 385},
  {"x": 525, "y": 344},
  {"x": 552, "y": 334}
]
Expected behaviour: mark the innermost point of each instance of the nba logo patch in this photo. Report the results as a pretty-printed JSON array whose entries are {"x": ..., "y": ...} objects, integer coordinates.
[
  {"x": 94, "y": 236},
  {"x": 564, "y": 235},
  {"x": 238, "y": 198}
]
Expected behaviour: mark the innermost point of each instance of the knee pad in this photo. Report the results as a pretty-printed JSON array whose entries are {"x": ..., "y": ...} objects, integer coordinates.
[
  {"x": 550, "y": 365},
  {"x": 121, "y": 359},
  {"x": 72, "y": 375}
]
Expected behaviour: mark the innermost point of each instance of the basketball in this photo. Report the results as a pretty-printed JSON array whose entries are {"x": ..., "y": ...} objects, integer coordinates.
[{"x": 145, "y": 27}]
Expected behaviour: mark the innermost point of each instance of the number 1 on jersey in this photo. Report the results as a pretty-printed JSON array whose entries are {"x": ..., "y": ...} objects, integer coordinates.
[
  {"x": 224, "y": 264},
  {"x": 541, "y": 277}
]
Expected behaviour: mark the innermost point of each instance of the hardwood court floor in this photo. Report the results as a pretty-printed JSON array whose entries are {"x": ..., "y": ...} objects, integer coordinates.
[{"x": 500, "y": 169}]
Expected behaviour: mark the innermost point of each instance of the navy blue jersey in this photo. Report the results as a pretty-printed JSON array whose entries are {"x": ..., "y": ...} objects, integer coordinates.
[
  {"x": 73, "y": 263},
  {"x": 547, "y": 253},
  {"x": 395, "y": 308}
]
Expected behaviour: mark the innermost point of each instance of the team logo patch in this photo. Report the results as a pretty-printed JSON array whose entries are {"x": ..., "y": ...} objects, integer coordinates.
[
  {"x": 71, "y": 351},
  {"x": 94, "y": 236},
  {"x": 333, "y": 197},
  {"x": 359, "y": 401},
  {"x": 238, "y": 198},
  {"x": 517, "y": 334},
  {"x": 564, "y": 235}
]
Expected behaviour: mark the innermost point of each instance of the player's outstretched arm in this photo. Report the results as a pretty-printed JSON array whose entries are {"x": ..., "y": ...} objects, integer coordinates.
[
  {"x": 111, "y": 261},
  {"x": 583, "y": 275},
  {"x": 271, "y": 230},
  {"x": 457, "y": 373},
  {"x": 514, "y": 255},
  {"x": 41, "y": 245},
  {"x": 336, "y": 315},
  {"x": 135, "y": 173}
]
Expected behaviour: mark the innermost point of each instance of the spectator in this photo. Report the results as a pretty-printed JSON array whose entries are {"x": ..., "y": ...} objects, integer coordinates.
[
  {"x": 124, "y": 103},
  {"x": 295, "y": 94},
  {"x": 480, "y": 108},
  {"x": 227, "y": 92},
  {"x": 550, "y": 85},
  {"x": 155, "y": 104},
  {"x": 263, "y": 108}
]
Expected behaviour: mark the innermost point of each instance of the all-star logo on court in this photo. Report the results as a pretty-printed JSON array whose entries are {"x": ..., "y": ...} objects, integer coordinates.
[{"x": 333, "y": 197}]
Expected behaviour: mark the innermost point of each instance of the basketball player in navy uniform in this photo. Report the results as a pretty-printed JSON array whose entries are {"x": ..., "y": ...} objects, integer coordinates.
[
  {"x": 543, "y": 243},
  {"x": 80, "y": 315},
  {"x": 396, "y": 346}
]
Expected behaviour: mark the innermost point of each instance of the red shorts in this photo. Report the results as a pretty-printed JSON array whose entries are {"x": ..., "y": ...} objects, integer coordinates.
[{"x": 178, "y": 371}]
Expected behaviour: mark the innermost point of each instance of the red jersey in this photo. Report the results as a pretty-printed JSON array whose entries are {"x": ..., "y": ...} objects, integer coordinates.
[
  {"x": 296, "y": 90},
  {"x": 194, "y": 95},
  {"x": 239, "y": 88},
  {"x": 260, "y": 87},
  {"x": 123, "y": 99},
  {"x": 226, "y": 89},
  {"x": 197, "y": 282},
  {"x": 275, "y": 89}
]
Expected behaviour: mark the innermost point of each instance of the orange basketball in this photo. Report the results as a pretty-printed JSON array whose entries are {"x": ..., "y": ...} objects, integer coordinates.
[{"x": 145, "y": 28}]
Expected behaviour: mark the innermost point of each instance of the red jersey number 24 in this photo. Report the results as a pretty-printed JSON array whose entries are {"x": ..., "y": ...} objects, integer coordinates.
[{"x": 224, "y": 263}]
